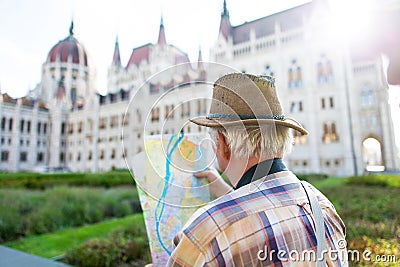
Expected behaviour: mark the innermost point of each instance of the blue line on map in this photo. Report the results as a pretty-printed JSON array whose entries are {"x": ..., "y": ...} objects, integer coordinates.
[{"x": 168, "y": 179}]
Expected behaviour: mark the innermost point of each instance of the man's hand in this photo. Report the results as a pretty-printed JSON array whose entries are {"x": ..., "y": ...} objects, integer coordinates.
[{"x": 218, "y": 187}]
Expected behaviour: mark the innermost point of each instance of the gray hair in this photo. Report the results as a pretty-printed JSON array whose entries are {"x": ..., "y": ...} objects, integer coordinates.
[{"x": 258, "y": 141}]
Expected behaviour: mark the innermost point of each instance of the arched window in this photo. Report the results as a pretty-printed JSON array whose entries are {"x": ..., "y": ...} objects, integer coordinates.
[
  {"x": 367, "y": 96},
  {"x": 28, "y": 126},
  {"x": 3, "y": 123},
  {"x": 334, "y": 135},
  {"x": 372, "y": 155},
  {"x": 292, "y": 107},
  {"x": 299, "y": 139},
  {"x": 22, "y": 123},
  {"x": 103, "y": 123},
  {"x": 295, "y": 77},
  {"x": 296, "y": 107},
  {"x": 155, "y": 114},
  {"x": 39, "y": 157},
  {"x": 185, "y": 109},
  {"x": 73, "y": 96},
  {"x": 320, "y": 72},
  {"x": 329, "y": 70},
  {"x": 166, "y": 113},
  {"x": 80, "y": 126},
  {"x": 62, "y": 156},
  {"x": 291, "y": 78},
  {"x": 299, "y": 77},
  {"x": 171, "y": 115},
  {"x": 324, "y": 70},
  {"x": 330, "y": 134},
  {"x": 10, "y": 124},
  {"x": 326, "y": 136}
]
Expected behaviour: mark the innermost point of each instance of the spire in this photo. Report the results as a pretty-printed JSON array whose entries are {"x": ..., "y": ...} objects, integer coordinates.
[
  {"x": 71, "y": 28},
  {"x": 116, "y": 57},
  {"x": 161, "y": 34},
  {"x": 225, "y": 12},
  {"x": 225, "y": 27},
  {"x": 200, "y": 60}
]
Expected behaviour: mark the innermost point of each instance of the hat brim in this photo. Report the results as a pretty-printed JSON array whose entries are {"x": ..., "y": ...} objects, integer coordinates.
[{"x": 214, "y": 123}]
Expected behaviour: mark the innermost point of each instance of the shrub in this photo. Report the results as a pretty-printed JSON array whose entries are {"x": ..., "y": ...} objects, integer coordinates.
[
  {"x": 14, "y": 206},
  {"x": 10, "y": 222},
  {"x": 47, "y": 180},
  {"x": 95, "y": 253},
  {"x": 47, "y": 219},
  {"x": 26, "y": 212},
  {"x": 126, "y": 246},
  {"x": 383, "y": 180}
]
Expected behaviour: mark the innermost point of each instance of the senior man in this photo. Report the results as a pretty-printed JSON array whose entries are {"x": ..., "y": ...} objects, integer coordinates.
[{"x": 268, "y": 217}]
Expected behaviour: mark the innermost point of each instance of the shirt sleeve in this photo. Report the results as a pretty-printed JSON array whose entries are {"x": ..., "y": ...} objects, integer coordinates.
[{"x": 186, "y": 253}]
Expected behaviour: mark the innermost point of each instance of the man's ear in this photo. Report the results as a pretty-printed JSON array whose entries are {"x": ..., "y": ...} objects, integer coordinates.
[{"x": 223, "y": 147}]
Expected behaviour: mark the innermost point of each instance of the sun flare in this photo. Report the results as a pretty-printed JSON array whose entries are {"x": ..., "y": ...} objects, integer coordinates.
[{"x": 351, "y": 19}]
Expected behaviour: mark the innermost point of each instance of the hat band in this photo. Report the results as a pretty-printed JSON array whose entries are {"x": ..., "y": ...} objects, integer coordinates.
[{"x": 246, "y": 116}]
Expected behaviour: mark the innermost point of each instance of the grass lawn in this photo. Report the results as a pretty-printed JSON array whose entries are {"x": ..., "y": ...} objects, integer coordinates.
[
  {"x": 329, "y": 182},
  {"x": 369, "y": 206},
  {"x": 57, "y": 243}
]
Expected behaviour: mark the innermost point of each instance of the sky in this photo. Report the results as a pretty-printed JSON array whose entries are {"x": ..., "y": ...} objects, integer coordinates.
[{"x": 29, "y": 29}]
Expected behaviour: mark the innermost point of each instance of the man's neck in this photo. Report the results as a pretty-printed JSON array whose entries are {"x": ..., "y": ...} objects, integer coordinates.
[{"x": 238, "y": 167}]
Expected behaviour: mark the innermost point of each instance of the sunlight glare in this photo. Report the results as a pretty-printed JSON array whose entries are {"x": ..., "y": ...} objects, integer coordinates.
[{"x": 351, "y": 18}]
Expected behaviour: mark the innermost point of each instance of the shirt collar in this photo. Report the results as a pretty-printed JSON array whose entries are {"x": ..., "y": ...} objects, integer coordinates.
[{"x": 261, "y": 170}]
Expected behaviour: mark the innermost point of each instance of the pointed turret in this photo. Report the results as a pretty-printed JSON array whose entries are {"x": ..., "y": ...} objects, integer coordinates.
[
  {"x": 161, "y": 34},
  {"x": 116, "y": 57},
  {"x": 71, "y": 28},
  {"x": 225, "y": 27},
  {"x": 200, "y": 60}
]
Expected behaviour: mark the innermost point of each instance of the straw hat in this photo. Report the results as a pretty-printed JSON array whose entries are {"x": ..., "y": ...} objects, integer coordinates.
[{"x": 245, "y": 99}]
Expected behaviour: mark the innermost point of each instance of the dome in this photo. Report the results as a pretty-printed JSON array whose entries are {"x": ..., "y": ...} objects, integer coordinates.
[{"x": 69, "y": 47}]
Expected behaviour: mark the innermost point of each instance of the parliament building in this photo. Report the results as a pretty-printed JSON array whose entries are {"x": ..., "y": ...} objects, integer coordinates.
[{"x": 337, "y": 93}]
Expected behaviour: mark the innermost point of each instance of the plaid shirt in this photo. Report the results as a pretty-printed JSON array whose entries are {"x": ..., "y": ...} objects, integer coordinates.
[{"x": 265, "y": 223}]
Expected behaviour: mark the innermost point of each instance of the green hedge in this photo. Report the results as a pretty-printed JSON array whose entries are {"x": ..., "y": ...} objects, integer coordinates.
[
  {"x": 27, "y": 212},
  {"x": 46, "y": 180},
  {"x": 126, "y": 246},
  {"x": 384, "y": 180}
]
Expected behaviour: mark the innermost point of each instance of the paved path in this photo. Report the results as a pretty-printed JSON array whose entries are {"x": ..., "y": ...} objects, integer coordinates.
[{"x": 13, "y": 258}]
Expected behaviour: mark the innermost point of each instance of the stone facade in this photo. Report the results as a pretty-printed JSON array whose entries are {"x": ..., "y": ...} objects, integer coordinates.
[
  {"x": 24, "y": 134},
  {"x": 339, "y": 95}
]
